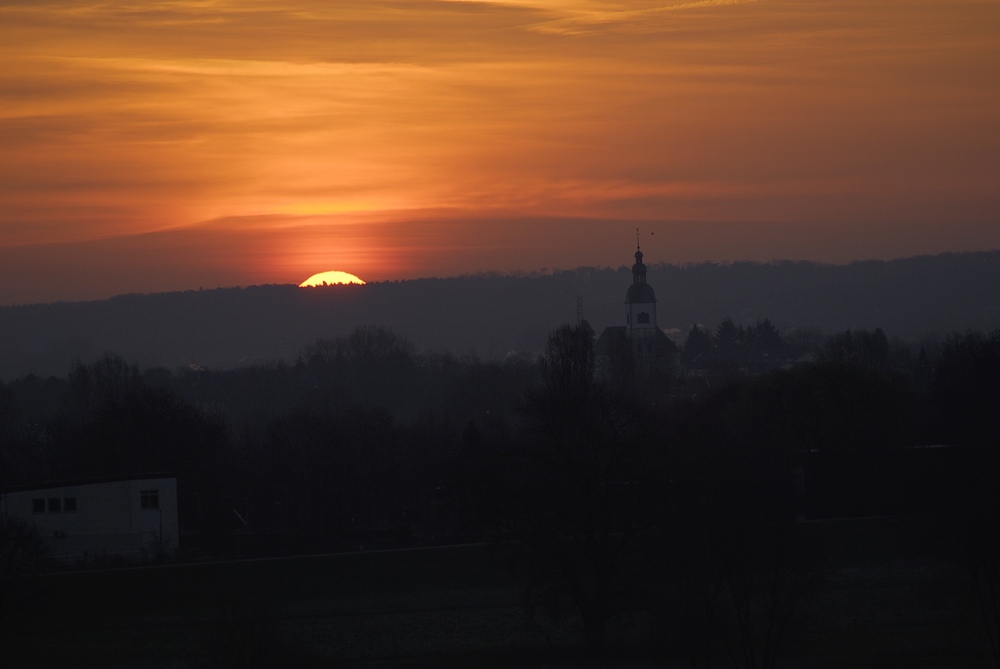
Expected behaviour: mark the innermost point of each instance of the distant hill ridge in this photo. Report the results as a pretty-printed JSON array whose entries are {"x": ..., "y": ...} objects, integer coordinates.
[{"x": 490, "y": 315}]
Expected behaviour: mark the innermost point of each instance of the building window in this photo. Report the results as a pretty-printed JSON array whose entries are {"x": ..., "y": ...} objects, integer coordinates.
[
  {"x": 149, "y": 499},
  {"x": 69, "y": 504},
  {"x": 55, "y": 505},
  {"x": 38, "y": 505},
  {"x": 643, "y": 317}
]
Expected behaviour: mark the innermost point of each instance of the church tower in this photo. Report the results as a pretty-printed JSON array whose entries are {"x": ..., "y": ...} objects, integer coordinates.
[
  {"x": 641, "y": 302},
  {"x": 625, "y": 353}
]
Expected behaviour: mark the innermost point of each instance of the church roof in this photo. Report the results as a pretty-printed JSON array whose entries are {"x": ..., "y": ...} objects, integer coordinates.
[
  {"x": 615, "y": 335},
  {"x": 611, "y": 337}
]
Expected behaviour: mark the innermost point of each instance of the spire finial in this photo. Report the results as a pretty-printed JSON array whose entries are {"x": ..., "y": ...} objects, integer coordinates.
[{"x": 637, "y": 246}]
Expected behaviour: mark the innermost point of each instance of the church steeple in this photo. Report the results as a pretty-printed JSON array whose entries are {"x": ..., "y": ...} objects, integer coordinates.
[
  {"x": 640, "y": 299},
  {"x": 627, "y": 352},
  {"x": 638, "y": 269}
]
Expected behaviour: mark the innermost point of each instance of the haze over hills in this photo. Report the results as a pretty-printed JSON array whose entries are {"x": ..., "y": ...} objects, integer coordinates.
[{"x": 492, "y": 315}]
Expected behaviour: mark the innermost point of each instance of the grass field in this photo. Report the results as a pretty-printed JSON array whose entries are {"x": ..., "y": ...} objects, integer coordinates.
[
  {"x": 348, "y": 608},
  {"x": 885, "y": 602}
]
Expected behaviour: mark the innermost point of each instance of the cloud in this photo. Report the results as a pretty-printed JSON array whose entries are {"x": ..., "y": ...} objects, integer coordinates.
[
  {"x": 118, "y": 119},
  {"x": 587, "y": 21}
]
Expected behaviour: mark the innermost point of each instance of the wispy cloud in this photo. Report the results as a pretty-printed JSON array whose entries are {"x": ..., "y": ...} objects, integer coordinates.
[
  {"x": 587, "y": 20},
  {"x": 118, "y": 118}
]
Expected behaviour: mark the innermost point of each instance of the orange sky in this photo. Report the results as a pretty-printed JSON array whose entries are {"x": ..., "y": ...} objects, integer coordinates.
[{"x": 155, "y": 146}]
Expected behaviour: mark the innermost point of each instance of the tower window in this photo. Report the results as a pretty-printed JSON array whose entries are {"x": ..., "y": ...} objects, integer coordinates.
[
  {"x": 149, "y": 499},
  {"x": 643, "y": 317}
]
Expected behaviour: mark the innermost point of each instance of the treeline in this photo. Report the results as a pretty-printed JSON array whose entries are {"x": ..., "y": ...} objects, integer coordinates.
[
  {"x": 667, "y": 505},
  {"x": 352, "y": 437},
  {"x": 491, "y": 315},
  {"x": 232, "y": 434}
]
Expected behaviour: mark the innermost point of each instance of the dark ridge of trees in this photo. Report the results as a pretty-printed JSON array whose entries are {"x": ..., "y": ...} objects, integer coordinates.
[
  {"x": 668, "y": 508},
  {"x": 107, "y": 416},
  {"x": 734, "y": 342},
  {"x": 368, "y": 345},
  {"x": 733, "y": 352},
  {"x": 491, "y": 315},
  {"x": 830, "y": 406}
]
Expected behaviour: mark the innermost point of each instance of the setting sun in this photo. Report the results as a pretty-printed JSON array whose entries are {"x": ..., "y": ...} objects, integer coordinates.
[
  {"x": 228, "y": 143},
  {"x": 330, "y": 278}
]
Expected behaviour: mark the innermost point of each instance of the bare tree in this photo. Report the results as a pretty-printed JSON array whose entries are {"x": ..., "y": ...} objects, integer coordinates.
[{"x": 574, "y": 502}]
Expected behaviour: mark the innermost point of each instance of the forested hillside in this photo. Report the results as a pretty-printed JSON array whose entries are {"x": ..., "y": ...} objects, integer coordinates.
[{"x": 491, "y": 315}]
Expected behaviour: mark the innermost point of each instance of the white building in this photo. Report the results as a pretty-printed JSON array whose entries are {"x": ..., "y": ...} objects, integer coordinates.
[{"x": 133, "y": 517}]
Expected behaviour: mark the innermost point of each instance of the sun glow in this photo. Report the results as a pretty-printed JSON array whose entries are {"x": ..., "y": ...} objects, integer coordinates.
[
  {"x": 246, "y": 143},
  {"x": 330, "y": 278}
]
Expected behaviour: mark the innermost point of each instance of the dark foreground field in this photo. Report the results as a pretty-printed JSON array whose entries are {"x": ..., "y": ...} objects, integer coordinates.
[{"x": 886, "y": 601}]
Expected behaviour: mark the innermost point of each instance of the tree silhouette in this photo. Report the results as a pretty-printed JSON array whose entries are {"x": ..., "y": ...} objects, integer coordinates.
[
  {"x": 965, "y": 392},
  {"x": 697, "y": 345},
  {"x": 568, "y": 365},
  {"x": 868, "y": 350},
  {"x": 574, "y": 500},
  {"x": 104, "y": 383},
  {"x": 734, "y": 568},
  {"x": 727, "y": 335}
]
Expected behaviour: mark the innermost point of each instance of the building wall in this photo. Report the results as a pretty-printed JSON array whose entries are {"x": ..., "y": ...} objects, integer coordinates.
[
  {"x": 635, "y": 322},
  {"x": 132, "y": 518}
]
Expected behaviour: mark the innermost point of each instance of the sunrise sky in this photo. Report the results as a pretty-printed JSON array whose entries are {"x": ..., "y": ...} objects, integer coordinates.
[{"x": 154, "y": 146}]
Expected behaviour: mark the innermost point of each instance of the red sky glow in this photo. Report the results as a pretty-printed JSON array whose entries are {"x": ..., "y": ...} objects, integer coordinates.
[{"x": 172, "y": 145}]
